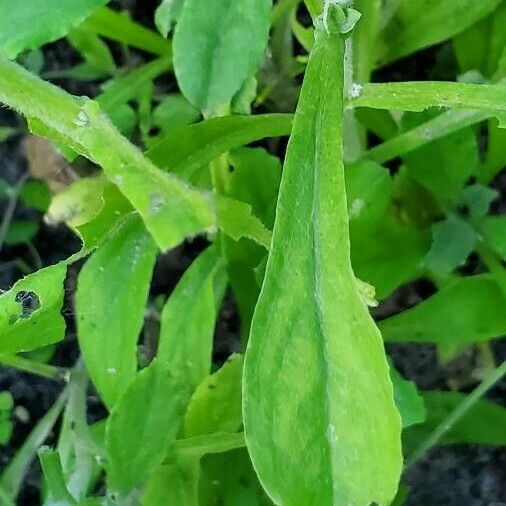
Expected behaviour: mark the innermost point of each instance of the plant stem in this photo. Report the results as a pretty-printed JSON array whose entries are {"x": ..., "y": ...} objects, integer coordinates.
[
  {"x": 11, "y": 207},
  {"x": 23, "y": 364},
  {"x": 456, "y": 415}
]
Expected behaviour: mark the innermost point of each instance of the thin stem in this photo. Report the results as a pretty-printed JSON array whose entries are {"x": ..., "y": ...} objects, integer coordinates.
[
  {"x": 11, "y": 207},
  {"x": 456, "y": 415},
  {"x": 30, "y": 366}
]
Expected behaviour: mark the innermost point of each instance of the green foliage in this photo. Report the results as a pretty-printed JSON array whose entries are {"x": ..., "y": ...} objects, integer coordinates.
[
  {"x": 232, "y": 35},
  {"x": 28, "y": 26},
  {"x": 298, "y": 361},
  {"x": 278, "y": 254}
]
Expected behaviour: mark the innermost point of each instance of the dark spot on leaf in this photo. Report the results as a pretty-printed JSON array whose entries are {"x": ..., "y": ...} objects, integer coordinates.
[{"x": 211, "y": 386}]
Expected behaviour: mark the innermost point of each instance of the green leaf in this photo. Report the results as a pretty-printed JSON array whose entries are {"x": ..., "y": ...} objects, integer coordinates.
[
  {"x": 30, "y": 25},
  {"x": 217, "y": 46},
  {"x": 171, "y": 210},
  {"x": 167, "y": 14},
  {"x": 483, "y": 424},
  {"x": 186, "y": 150},
  {"x": 477, "y": 199},
  {"x": 453, "y": 240},
  {"x": 173, "y": 112},
  {"x": 117, "y": 26},
  {"x": 422, "y": 23},
  {"x": 442, "y": 166},
  {"x": 388, "y": 256},
  {"x": 493, "y": 229},
  {"x": 217, "y": 442},
  {"x": 254, "y": 180},
  {"x": 20, "y": 232},
  {"x": 368, "y": 192},
  {"x": 418, "y": 96},
  {"x": 6, "y": 405},
  {"x": 30, "y": 311},
  {"x": 465, "y": 311},
  {"x": 112, "y": 290},
  {"x": 407, "y": 399},
  {"x": 94, "y": 51},
  {"x": 442, "y": 125},
  {"x": 174, "y": 483},
  {"x": 142, "y": 426},
  {"x": 228, "y": 479},
  {"x": 188, "y": 319},
  {"x": 58, "y": 493},
  {"x": 13, "y": 475},
  {"x": 216, "y": 403},
  {"x": 128, "y": 86},
  {"x": 35, "y": 194},
  {"x": 313, "y": 345}
]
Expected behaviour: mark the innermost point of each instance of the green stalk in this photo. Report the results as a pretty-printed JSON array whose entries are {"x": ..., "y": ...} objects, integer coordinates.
[
  {"x": 30, "y": 366},
  {"x": 456, "y": 415}
]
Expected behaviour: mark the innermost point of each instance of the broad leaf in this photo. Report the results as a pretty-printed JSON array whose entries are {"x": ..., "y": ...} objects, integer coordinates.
[
  {"x": 465, "y": 311},
  {"x": 142, "y": 426},
  {"x": 28, "y": 25},
  {"x": 111, "y": 296},
  {"x": 217, "y": 46},
  {"x": 315, "y": 373},
  {"x": 30, "y": 312}
]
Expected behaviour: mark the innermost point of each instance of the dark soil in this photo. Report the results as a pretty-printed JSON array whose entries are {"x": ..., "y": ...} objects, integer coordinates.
[{"x": 463, "y": 475}]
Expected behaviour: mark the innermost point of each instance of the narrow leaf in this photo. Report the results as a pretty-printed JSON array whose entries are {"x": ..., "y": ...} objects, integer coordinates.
[
  {"x": 188, "y": 318},
  {"x": 142, "y": 426},
  {"x": 110, "y": 300},
  {"x": 467, "y": 310}
]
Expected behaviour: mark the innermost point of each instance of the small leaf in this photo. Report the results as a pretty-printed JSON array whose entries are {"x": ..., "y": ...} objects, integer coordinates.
[
  {"x": 217, "y": 45},
  {"x": 30, "y": 311},
  {"x": 493, "y": 229},
  {"x": 167, "y": 14},
  {"x": 216, "y": 403},
  {"x": 142, "y": 426},
  {"x": 465, "y": 311},
  {"x": 173, "y": 112},
  {"x": 20, "y": 232},
  {"x": 368, "y": 192},
  {"x": 477, "y": 198},
  {"x": 453, "y": 241},
  {"x": 111, "y": 296},
  {"x": 407, "y": 399}
]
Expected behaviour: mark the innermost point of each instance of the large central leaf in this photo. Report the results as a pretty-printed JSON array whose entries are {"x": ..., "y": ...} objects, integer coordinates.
[{"x": 319, "y": 415}]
